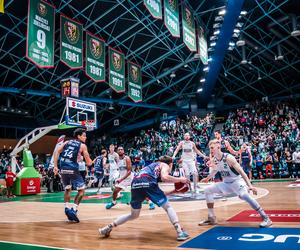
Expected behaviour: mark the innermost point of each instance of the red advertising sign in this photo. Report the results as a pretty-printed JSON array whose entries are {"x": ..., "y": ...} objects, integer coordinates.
[
  {"x": 30, "y": 186},
  {"x": 275, "y": 216}
]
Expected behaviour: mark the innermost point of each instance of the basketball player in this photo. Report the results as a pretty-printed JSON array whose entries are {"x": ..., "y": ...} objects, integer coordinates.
[
  {"x": 124, "y": 181},
  {"x": 225, "y": 145},
  {"x": 113, "y": 160},
  {"x": 246, "y": 160},
  {"x": 70, "y": 154},
  {"x": 100, "y": 163},
  {"x": 234, "y": 181},
  {"x": 188, "y": 158},
  {"x": 145, "y": 184}
]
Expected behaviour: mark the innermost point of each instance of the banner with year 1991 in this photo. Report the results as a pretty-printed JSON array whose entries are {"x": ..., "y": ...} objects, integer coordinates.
[
  {"x": 116, "y": 70},
  {"x": 171, "y": 11},
  {"x": 40, "y": 33},
  {"x": 134, "y": 82},
  {"x": 70, "y": 42}
]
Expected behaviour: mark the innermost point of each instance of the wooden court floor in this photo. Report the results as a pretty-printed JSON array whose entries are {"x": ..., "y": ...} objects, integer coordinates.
[{"x": 44, "y": 223}]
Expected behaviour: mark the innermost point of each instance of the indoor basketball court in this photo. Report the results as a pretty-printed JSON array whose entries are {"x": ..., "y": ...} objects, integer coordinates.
[{"x": 149, "y": 124}]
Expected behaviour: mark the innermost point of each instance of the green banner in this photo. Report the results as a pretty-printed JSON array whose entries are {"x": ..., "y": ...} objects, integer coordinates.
[
  {"x": 134, "y": 82},
  {"x": 116, "y": 70},
  {"x": 70, "y": 42},
  {"x": 95, "y": 58},
  {"x": 188, "y": 27},
  {"x": 203, "y": 48},
  {"x": 40, "y": 33},
  {"x": 172, "y": 17},
  {"x": 154, "y": 7}
]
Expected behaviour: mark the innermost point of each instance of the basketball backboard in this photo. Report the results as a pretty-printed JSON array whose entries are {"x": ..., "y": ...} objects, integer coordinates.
[{"x": 81, "y": 113}]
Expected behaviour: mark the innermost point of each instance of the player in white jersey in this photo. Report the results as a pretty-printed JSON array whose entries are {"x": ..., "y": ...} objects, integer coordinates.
[
  {"x": 234, "y": 181},
  {"x": 113, "y": 160},
  {"x": 124, "y": 181},
  {"x": 188, "y": 157}
]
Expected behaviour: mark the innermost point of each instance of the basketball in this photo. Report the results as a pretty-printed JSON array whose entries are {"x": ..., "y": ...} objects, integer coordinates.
[{"x": 181, "y": 187}]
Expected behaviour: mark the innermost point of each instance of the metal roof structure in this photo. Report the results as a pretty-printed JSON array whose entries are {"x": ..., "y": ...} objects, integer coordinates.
[{"x": 128, "y": 26}]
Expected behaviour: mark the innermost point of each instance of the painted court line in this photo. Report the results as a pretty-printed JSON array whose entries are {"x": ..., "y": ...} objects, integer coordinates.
[{"x": 33, "y": 245}]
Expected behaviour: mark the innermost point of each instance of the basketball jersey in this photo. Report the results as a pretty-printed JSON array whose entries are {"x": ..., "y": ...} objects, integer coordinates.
[
  {"x": 188, "y": 151},
  {"x": 122, "y": 167},
  {"x": 69, "y": 155},
  {"x": 152, "y": 171},
  {"x": 245, "y": 156},
  {"x": 112, "y": 162},
  {"x": 99, "y": 164},
  {"x": 228, "y": 174},
  {"x": 223, "y": 146}
]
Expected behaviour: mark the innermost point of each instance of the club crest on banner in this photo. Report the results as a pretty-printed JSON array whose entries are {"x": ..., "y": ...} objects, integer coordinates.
[
  {"x": 134, "y": 73},
  {"x": 188, "y": 17},
  {"x": 172, "y": 4},
  {"x": 96, "y": 48},
  {"x": 42, "y": 9},
  {"x": 117, "y": 61},
  {"x": 72, "y": 32}
]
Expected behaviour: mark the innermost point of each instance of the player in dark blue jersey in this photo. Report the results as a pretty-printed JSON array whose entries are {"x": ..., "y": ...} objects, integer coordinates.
[
  {"x": 246, "y": 160},
  {"x": 70, "y": 154},
  {"x": 145, "y": 184},
  {"x": 100, "y": 163}
]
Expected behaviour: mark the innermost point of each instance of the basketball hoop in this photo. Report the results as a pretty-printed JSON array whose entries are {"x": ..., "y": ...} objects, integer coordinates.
[{"x": 89, "y": 124}]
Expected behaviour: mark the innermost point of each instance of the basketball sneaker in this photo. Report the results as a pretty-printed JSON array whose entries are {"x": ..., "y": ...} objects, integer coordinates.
[
  {"x": 110, "y": 205},
  {"x": 151, "y": 206},
  {"x": 68, "y": 213},
  {"x": 266, "y": 223},
  {"x": 181, "y": 236},
  {"x": 105, "y": 231},
  {"x": 73, "y": 215},
  {"x": 209, "y": 221}
]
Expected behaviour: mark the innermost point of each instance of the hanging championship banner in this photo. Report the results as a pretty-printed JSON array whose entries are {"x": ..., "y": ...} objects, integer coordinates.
[
  {"x": 116, "y": 70},
  {"x": 188, "y": 27},
  {"x": 172, "y": 17},
  {"x": 154, "y": 7},
  {"x": 202, "y": 47},
  {"x": 95, "y": 58},
  {"x": 70, "y": 42},
  {"x": 40, "y": 33},
  {"x": 134, "y": 82}
]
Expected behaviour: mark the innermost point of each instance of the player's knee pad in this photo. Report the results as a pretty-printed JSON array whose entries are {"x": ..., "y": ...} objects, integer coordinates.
[
  {"x": 250, "y": 200},
  {"x": 135, "y": 213},
  {"x": 166, "y": 206},
  {"x": 209, "y": 196}
]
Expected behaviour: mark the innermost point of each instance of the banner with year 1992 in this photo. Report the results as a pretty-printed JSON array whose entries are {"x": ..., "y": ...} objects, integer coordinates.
[
  {"x": 116, "y": 70},
  {"x": 188, "y": 27},
  {"x": 70, "y": 42},
  {"x": 171, "y": 11},
  {"x": 95, "y": 58},
  {"x": 40, "y": 33},
  {"x": 134, "y": 82}
]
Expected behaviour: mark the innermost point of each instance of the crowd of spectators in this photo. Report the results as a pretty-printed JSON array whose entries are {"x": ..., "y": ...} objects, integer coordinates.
[{"x": 272, "y": 131}]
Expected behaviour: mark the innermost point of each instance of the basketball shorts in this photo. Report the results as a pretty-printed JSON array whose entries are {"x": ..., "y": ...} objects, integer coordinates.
[
  {"x": 189, "y": 167},
  {"x": 237, "y": 187},
  {"x": 141, "y": 189},
  {"x": 72, "y": 178},
  {"x": 125, "y": 184}
]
